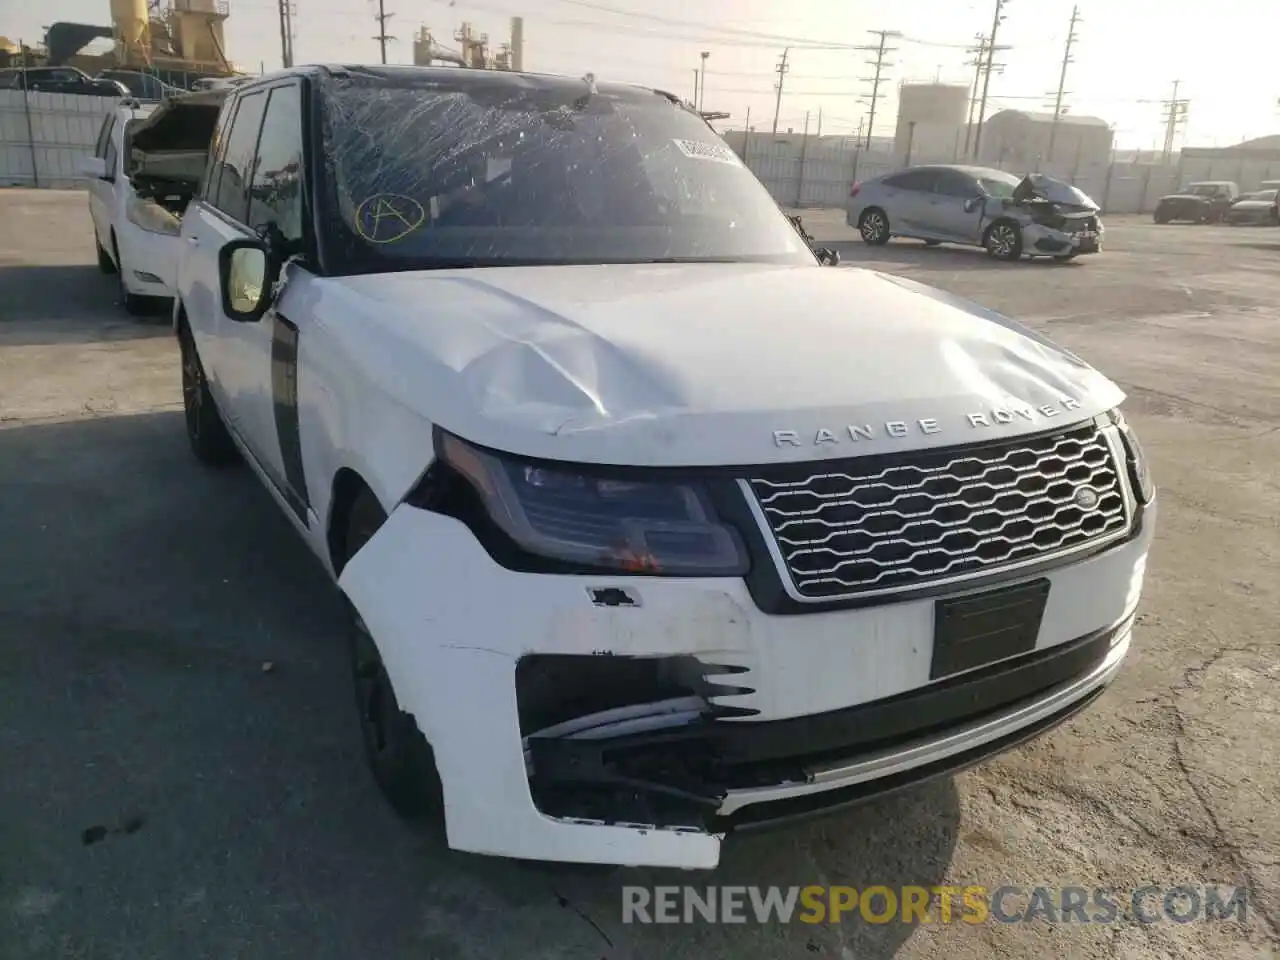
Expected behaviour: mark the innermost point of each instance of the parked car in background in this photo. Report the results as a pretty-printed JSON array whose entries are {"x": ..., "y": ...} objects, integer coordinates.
[
  {"x": 629, "y": 562},
  {"x": 136, "y": 236},
  {"x": 1259, "y": 207},
  {"x": 142, "y": 86},
  {"x": 60, "y": 80},
  {"x": 1009, "y": 216},
  {"x": 1205, "y": 201},
  {"x": 217, "y": 83}
]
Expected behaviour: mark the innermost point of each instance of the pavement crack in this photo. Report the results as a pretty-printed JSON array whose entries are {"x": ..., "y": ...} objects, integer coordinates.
[
  {"x": 569, "y": 905},
  {"x": 1190, "y": 680}
]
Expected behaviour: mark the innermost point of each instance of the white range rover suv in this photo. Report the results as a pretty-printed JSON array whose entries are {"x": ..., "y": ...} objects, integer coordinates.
[{"x": 651, "y": 527}]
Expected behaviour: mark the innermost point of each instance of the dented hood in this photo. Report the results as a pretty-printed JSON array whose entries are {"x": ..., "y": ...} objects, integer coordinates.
[
  {"x": 1037, "y": 186},
  {"x": 701, "y": 364}
]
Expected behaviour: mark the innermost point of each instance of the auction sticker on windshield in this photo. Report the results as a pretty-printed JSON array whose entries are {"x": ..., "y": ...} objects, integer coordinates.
[
  {"x": 388, "y": 217},
  {"x": 716, "y": 152}
]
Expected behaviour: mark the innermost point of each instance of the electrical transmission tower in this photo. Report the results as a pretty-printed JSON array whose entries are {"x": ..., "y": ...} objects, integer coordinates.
[
  {"x": 1175, "y": 114},
  {"x": 781, "y": 70},
  {"x": 1062, "y": 81},
  {"x": 382, "y": 17},
  {"x": 879, "y": 63},
  {"x": 979, "y": 64},
  {"x": 996, "y": 19}
]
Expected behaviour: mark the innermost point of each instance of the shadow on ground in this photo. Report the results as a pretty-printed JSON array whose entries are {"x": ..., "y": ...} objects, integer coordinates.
[
  {"x": 56, "y": 304},
  {"x": 182, "y": 766},
  {"x": 943, "y": 257}
]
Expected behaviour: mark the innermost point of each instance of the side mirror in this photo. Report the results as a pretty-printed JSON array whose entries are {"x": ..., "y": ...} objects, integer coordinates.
[
  {"x": 972, "y": 204},
  {"x": 244, "y": 280},
  {"x": 827, "y": 257},
  {"x": 93, "y": 168}
]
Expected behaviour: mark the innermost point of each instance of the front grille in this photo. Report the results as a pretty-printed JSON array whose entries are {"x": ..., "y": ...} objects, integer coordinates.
[{"x": 881, "y": 524}]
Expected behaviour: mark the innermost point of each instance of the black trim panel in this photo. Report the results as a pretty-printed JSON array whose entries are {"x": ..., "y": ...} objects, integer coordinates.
[
  {"x": 704, "y": 761},
  {"x": 284, "y": 396}
]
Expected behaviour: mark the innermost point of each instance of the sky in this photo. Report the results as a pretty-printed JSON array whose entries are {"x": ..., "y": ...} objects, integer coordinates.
[{"x": 1126, "y": 56}]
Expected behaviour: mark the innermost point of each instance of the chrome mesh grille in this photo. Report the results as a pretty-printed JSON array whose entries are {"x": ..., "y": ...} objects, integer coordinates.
[{"x": 889, "y": 523}]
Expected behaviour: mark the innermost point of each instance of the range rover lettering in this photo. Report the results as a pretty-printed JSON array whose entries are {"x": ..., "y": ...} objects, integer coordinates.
[{"x": 650, "y": 526}]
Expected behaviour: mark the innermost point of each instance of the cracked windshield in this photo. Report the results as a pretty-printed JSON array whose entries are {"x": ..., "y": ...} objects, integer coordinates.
[
  {"x": 431, "y": 173},
  {"x": 639, "y": 480}
]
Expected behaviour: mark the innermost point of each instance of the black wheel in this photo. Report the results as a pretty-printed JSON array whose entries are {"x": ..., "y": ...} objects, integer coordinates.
[
  {"x": 874, "y": 227},
  {"x": 206, "y": 432},
  {"x": 105, "y": 263},
  {"x": 1161, "y": 217},
  {"x": 133, "y": 304},
  {"x": 1004, "y": 240},
  {"x": 399, "y": 756}
]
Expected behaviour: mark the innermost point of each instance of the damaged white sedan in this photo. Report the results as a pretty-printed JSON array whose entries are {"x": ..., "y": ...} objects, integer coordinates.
[{"x": 651, "y": 527}]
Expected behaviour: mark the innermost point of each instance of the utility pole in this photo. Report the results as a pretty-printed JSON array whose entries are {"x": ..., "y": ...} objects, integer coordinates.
[
  {"x": 986, "y": 74},
  {"x": 781, "y": 70},
  {"x": 382, "y": 37},
  {"x": 1175, "y": 115},
  {"x": 702, "y": 83},
  {"x": 879, "y": 63},
  {"x": 1062, "y": 80},
  {"x": 978, "y": 62},
  {"x": 286, "y": 33}
]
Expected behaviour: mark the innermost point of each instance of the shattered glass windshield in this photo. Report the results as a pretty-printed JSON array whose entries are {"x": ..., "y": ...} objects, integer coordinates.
[{"x": 425, "y": 171}]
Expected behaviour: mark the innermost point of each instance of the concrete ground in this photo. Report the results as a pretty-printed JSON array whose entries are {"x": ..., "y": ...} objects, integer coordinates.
[{"x": 180, "y": 767}]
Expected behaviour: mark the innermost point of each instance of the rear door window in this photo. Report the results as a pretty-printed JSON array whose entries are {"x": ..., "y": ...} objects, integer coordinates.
[
  {"x": 236, "y": 169},
  {"x": 104, "y": 135},
  {"x": 921, "y": 180},
  {"x": 953, "y": 183}
]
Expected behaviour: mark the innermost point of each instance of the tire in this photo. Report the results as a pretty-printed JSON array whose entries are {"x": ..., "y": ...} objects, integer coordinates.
[
  {"x": 133, "y": 304},
  {"x": 933, "y": 243},
  {"x": 207, "y": 434},
  {"x": 1003, "y": 241},
  {"x": 105, "y": 263},
  {"x": 1161, "y": 218},
  {"x": 873, "y": 225},
  {"x": 399, "y": 756}
]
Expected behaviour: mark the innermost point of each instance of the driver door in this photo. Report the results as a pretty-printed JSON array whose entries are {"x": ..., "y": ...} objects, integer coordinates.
[{"x": 264, "y": 354}]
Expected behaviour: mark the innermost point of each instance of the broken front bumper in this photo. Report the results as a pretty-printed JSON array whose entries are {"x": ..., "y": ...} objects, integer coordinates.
[
  {"x": 637, "y": 721},
  {"x": 1042, "y": 240}
]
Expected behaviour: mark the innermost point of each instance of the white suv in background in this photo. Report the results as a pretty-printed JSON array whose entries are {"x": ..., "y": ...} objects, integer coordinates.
[
  {"x": 137, "y": 238},
  {"x": 651, "y": 527}
]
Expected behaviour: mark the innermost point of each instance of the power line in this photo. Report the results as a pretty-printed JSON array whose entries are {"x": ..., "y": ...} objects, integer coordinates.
[
  {"x": 996, "y": 18},
  {"x": 1062, "y": 80},
  {"x": 880, "y": 50}
]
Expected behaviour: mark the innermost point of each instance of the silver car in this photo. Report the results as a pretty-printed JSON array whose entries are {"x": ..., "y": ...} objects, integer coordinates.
[{"x": 1009, "y": 216}]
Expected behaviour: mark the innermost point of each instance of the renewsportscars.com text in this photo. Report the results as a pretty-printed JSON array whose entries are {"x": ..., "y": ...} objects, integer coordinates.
[{"x": 940, "y": 904}]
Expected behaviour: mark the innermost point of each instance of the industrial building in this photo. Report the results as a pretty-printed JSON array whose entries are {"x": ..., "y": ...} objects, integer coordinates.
[
  {"x": 1021, "y": 139},
  {"x": 931, "y": 122}
]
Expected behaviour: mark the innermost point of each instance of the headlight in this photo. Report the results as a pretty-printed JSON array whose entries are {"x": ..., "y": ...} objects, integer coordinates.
[
  {"x": 152, "y": 217},
  {"x": 1139, "y": 472},
  {"x": 629, "y": 526}
]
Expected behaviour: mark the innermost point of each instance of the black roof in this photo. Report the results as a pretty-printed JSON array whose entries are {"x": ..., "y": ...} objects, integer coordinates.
[{"x": 461, "y": 78}]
